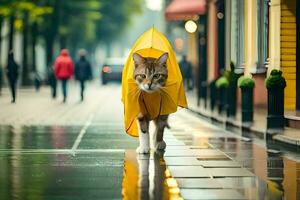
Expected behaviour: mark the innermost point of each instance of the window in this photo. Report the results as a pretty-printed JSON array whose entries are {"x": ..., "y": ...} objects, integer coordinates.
[
  {"x": 237, "y": 34},
  {"x": 262, "y": 34}
]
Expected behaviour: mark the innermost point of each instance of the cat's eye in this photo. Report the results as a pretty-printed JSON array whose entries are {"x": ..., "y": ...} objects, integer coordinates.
[
  {"x": 143, "y": 76},
  {"x": 156, "y": 76}
]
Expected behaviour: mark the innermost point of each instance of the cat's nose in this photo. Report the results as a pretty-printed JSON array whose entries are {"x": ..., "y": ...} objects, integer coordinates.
[{"x": 149, "y": 85}]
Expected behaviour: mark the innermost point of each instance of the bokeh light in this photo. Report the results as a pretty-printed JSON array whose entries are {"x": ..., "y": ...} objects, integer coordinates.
[{"x": 190, "y": 26}]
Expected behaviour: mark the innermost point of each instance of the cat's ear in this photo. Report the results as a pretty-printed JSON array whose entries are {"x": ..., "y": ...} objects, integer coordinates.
[
  {"x": 138, "y": 59},
  {"x": 163, "y": 58}
]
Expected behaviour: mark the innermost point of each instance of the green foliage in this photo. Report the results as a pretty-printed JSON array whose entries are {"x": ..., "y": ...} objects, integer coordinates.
[
  {"x": 20, "y": 8},
  {"x": 275, "y": 80},
  {"x": 116, "y": 16},
  {"x": 222, "y": 82},
  {"x": 231, "y": 75},
  {"x": 246, "y": 82},
  {"x": 84, "y": 22},
  {"x": 228, "y": 79},
  {"x": 5, "y": 11},
  {"x": 71, "y": 23},
  {"x": 232, "y": 66}
]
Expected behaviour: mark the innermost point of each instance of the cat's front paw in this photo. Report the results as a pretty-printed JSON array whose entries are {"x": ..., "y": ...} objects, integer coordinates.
[
  {"x": 143, "y": 150},
  {"x": 160, "y": 145}
]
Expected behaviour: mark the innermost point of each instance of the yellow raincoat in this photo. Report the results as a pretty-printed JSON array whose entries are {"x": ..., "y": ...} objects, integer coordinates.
[{"x": 165, "y": 101}]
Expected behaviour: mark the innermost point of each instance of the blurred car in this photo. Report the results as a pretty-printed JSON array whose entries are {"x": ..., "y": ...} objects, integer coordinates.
[{"x": 112, "y": 70}]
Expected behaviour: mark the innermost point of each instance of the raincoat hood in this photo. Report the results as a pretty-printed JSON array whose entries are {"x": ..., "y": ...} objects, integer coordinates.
[
  {"x": 163, "y": 102},
  {"x": 64, "y": 52}
]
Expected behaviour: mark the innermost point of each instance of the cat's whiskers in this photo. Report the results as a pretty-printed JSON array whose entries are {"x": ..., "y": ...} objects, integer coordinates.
[{"x": 137, "y": 92}]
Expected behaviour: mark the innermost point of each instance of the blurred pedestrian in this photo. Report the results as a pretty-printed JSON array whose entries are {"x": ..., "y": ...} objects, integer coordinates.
[
  {"x": 83, "y": 71},
  {"x": 1, "y": 80},
  {"x": 186, "y": 71},
  {"x": 12, "y": 72},
  {"x": 37, "y": 81},
  {"x": 52, "y": 81},
  {"x": 64, "y": 69}
]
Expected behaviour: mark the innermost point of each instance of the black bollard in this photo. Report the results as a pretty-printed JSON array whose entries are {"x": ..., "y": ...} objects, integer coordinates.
[
  {"x": 222, "y": 84},
  {"x": 212, "y": 94},
  {"x": 247, "y": 104},
  {"x": 275, "y": 84},
  {"x": 247, "y": 84},
  {"x": 221, "y": 101},
  {"x": 231, "y": 100},
  {"x": 231, "y": 94}
]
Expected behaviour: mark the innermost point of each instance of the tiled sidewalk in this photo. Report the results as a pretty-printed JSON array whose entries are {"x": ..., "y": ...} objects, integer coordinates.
[
  {"x": 202, "y": 160},
  {"x": 38, "y": 108},
  {"x": 288, "y": 136},
  {"x": 200, "y": 168},
  {"x": 210, "y": 163}
]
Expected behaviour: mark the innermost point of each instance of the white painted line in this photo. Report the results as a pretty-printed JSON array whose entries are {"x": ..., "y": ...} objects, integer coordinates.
[
  {"x": 100, "y": 150},
  {"x": 60, "y": 151},
  {"x": 35, "y": 151},
  {"x": 81, "y": 134}
]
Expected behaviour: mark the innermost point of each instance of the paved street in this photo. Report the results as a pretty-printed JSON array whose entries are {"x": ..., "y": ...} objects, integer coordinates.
[{"x": 50, "y": 150}]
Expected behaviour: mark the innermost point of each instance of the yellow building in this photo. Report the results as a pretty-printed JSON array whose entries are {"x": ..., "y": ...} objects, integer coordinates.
[
  {"x": 270, "y": 41},
  {"x": 283, "y": 46},
  {"x": 288, "y": 50}
]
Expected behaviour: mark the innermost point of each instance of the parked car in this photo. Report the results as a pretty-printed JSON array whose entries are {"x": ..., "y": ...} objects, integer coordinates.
[{"x": 112, "y": 70}]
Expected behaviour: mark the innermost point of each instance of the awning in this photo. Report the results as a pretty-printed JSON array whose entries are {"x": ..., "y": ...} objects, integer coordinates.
[{"x": 185, "y": 9}]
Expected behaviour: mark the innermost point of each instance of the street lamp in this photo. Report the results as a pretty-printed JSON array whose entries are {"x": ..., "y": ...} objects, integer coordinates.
[
  {"x": 190, "y": 26},
  {"x": 155, "y": 5}
]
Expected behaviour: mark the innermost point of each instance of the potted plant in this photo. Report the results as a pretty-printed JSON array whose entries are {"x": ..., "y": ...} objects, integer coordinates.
[
  {"x": 231, "y": 91},
  {"x": 247, "y": 84},
  {"x": 212, "y": 94},
  {"x": 275, "y": 85},
  {"x": 222, "y": 84}
]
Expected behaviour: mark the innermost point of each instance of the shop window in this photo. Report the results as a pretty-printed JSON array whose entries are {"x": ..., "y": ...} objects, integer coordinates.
[
  {"x": 237, "y": 34},
  {"x": 262, "y": 34}
]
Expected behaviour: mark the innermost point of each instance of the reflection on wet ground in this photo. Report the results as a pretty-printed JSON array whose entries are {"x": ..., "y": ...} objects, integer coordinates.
[
  {"x": 61, "y": 176},
  {"x": 276, "y": 170},
  {"x": 38, "y": 163},
  {"x": 146, "y": 177},
  {"x": 200, "y": 162}
]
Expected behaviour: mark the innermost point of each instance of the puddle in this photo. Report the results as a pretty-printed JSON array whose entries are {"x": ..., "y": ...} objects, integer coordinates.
[
  {"x": 146, "y": 177},
  {"x": 277, "y": 170}
]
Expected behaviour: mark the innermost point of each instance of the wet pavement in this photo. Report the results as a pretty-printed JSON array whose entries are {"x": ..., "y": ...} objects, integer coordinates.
[{"x": 97, "y": 160}]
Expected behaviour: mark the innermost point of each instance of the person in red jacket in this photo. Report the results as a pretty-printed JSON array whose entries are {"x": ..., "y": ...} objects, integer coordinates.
[{"x": 64, "y": 69}]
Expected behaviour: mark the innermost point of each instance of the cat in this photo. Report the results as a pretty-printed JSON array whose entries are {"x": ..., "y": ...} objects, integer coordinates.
[{"x": 150, "y": 75}]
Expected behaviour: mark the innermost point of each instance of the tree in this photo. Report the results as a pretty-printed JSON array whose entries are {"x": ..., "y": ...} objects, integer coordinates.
[
  {"x": 7, "y": 11},
  {"x": 69, "y": 23},
  {"x": 116, "y": 16},
  {"x": 22, "y": 15}
]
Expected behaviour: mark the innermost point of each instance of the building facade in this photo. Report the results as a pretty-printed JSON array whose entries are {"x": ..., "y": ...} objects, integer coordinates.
[{"x": 257, "y": 36}]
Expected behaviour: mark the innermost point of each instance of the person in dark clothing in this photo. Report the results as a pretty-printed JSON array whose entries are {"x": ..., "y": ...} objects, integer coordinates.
[
  {"x": 12, "y": 75},
  {"x": 1, "y": 80},
  {"x": 83, "y": 71},
  {"x": 37, "y": 81},
  {"x": 52, "y": 81},
  {"x": 186, "y": 71}
]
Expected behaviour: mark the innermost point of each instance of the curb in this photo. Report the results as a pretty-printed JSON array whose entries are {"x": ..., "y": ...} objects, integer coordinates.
[{"x": 262, "y": 134}]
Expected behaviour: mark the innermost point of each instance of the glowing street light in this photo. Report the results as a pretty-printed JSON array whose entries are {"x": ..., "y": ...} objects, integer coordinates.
[
  {"x": 190, "y": 26},
  {"x": 155, "y": 5}
]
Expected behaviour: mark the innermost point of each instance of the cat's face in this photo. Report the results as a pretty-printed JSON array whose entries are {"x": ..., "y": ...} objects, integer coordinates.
[{"x": 150, "y": 73}]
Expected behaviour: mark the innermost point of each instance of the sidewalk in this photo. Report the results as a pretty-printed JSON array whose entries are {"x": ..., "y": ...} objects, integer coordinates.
[
  {"x": 208, "y": 162},
  {"x": 38, "y": 108},
  {"x": 290, "y": 136},
  {"x": 88, "y": 155}
]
